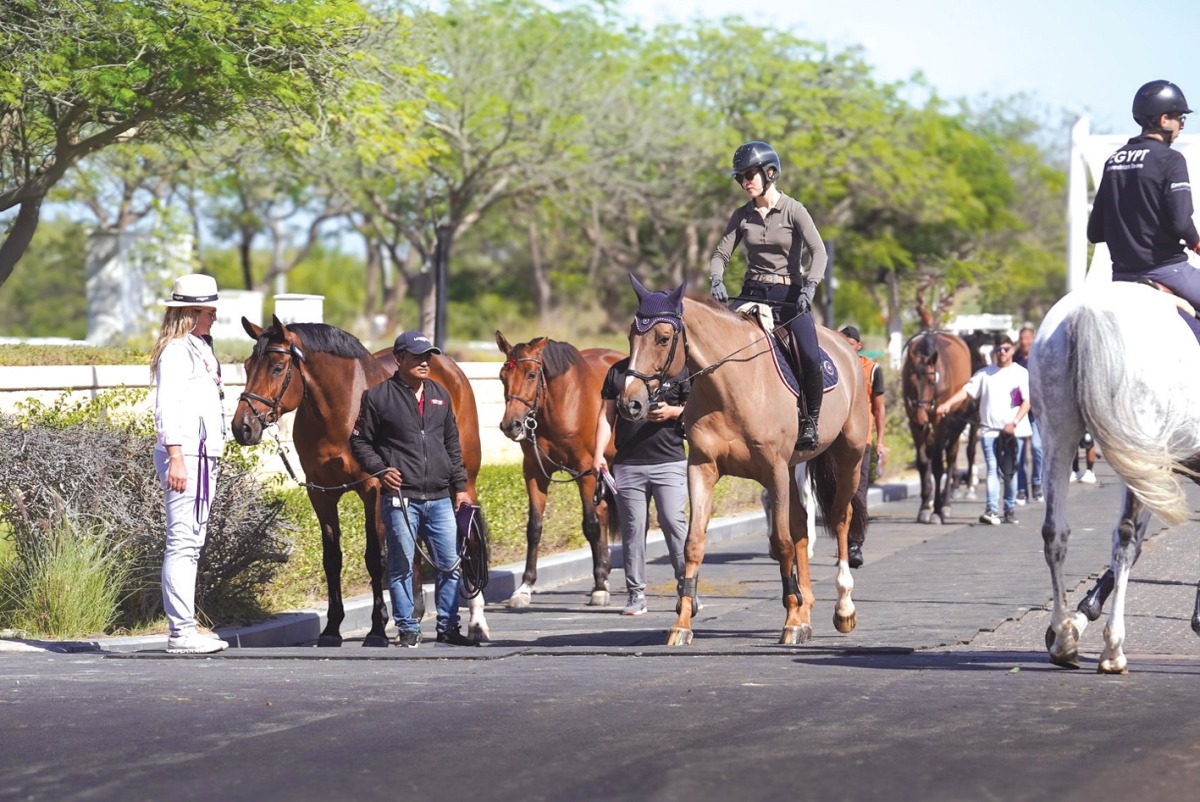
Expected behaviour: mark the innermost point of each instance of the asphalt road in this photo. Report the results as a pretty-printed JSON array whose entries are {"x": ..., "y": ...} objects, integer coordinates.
[{"x": 942, "y": 692}]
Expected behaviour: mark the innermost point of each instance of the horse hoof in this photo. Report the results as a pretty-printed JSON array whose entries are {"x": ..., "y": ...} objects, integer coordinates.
[
  {"x": 679, "y": 637},
  {"x": 794, "y": 636},
  {"x": 846, "y": 624},
  {"x": 1117, "y": 666},
  {"x": 938, "y": 520},
  {"x": 479, "y": 634},
  {"x": 599, "y": 598},
  {"x": 519, "y": 601},
  {"x": 923, "y": 516},
  {"x": 375, "y": 641},
  {"x": 1196, "y": 625},
  {"x": 329, "y": 640},
  {"x": 1069, "y": 658},
  {"x": 1049, "y": 638}
]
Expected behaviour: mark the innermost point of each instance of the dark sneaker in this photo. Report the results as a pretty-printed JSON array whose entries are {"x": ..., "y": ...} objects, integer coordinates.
[
  {"x": 990, "y": 517},
  {"x": 409, "y": 640},
  {"x": 1037, "y": 494},
  {"x": 856, "y": 558},
  {"x": 455, "y": 638},
  {"x": 1010, "y": 516},
  {"x": 1021, "y": 498}
]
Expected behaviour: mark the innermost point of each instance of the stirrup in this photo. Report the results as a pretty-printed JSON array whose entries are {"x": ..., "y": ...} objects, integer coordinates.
[{"x": 807, "y": 436}]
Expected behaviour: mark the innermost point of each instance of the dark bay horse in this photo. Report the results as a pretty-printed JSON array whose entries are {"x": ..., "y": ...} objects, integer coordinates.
[
  {"x": 741, "y": 421},
  {"x": 936, "y": 364},
  {"x": 551, "y": 404},
  {"x": 321, "y": 372}
]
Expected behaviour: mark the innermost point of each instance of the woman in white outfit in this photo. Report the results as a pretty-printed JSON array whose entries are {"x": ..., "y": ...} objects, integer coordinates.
[{"x": 190, "y": 420}]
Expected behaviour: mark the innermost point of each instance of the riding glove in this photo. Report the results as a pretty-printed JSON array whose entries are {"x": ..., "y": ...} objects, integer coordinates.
[
  {"x": 718, "y": 291},
  {"x": 804, "y": 302}
]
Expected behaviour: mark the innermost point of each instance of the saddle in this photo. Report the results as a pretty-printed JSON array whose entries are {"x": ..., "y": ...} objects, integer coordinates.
[
  {"x": 1186, "y": 310},
  {"x": 783, "y": 352}
]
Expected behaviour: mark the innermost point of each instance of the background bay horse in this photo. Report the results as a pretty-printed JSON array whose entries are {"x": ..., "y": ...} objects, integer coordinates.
[
  {"x": 936, "y": 364},
  {"x": 741, "y": 421},
  {"x": 551, "y": 404},
  {"x": 321, "y": 372},
  {"x": 1116, "y": 360}
]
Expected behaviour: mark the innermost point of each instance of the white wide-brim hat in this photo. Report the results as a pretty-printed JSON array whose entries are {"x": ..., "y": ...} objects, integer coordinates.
[{"x": 196, "y": 289}]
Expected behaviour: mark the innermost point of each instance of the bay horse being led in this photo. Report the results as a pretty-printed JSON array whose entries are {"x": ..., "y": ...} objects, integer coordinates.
[
  {"x": 936, "y": 364},
  {"x": 551, "y": 404},
  {"x": 321, "y": 372},
  {"x": 740, "y": 421},
  {"x": 1116, "y": 360}
]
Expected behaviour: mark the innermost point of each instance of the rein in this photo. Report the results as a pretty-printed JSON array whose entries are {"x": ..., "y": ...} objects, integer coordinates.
[{"x": 529, "y": 424}]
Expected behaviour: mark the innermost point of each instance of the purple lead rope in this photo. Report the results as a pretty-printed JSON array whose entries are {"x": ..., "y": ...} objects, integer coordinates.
[{"x": 203, "y": 491}]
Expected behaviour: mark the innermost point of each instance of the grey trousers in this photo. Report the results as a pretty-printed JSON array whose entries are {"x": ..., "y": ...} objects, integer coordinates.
[
  {"x": 187, "y": 524},
  {"x": 666, "y": 483}
]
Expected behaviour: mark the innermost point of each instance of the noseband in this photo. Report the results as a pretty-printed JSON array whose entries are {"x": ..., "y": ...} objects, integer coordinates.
[{"x": 293, "y": 353}]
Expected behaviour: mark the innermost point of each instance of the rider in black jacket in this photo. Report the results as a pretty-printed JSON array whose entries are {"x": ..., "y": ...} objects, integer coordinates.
[{"x": 1143, "y": 207}]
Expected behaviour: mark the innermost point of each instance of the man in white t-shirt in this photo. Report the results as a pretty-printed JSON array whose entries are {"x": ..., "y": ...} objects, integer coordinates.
[{"x": 1003, "y": 393}]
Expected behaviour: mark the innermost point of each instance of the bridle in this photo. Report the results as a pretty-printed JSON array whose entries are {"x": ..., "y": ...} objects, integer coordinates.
[
  {"x": 270, "y": 415},
  {"x": 529, "y": 423},
  {"x": 660, "y": 378},
  {"x": 926, "y": 378}
]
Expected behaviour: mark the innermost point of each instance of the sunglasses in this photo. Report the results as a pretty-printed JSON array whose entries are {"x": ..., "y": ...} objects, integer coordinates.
[
  {"x": 1005, "y": 348},
  {"x": 746, "y": 175},
  {"x": 1177, "y": 116}
]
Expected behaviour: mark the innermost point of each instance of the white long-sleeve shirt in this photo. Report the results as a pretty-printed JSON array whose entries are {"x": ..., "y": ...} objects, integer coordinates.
[{"x": 187, "y": 397}]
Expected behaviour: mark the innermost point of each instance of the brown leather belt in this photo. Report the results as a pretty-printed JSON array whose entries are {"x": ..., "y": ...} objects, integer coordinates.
[{"x": 769, "y": 278}]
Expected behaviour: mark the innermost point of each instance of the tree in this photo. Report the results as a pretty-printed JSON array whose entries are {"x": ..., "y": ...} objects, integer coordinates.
[{"x": 78, "y": 76}]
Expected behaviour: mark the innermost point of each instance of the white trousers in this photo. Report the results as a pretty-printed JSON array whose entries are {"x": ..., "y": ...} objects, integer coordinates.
[{"x": 187, "y": 525}]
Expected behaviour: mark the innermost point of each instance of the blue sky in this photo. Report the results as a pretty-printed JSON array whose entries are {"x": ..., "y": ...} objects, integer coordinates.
[{"x": 1070, "y": 55}]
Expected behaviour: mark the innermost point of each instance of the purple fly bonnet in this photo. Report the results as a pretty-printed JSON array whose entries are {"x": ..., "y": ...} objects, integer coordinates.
[{"x": 657, "y": 307}]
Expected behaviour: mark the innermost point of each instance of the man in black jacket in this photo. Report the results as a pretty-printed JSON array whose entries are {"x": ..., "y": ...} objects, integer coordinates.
[
  {"x": 406, "y": 429},
  {"x": 1143, "y": 207}
]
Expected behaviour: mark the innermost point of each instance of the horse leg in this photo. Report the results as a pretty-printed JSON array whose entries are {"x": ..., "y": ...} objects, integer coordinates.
[
  {"x": 925, "y": 512},
  {"x": 798, "y": 598},
  {"x": 701, "y": 479},
  {"x": 537, "y": 486},
  {"x": 597, "y": 538},
  {"x": 331, "y": 561},
  {"x": 477, "y": 625},
  {"x": 937, "y": 467},
  {"x": 376, "y": 568},
  {"x": 1196, "y": 612},
  {"x": 1127, "y": 538},
  {"x": 972, "y": 470},
  {"x": 1059, "y": 439},
  {"x": 845, "y": 463}
]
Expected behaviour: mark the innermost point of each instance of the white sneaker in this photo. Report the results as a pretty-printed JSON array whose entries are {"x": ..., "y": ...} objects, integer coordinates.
[
  {"x": 1087, "y": 478},
  {"x": 192, "y": 642},
  {"x": 1074, "y": 478}
]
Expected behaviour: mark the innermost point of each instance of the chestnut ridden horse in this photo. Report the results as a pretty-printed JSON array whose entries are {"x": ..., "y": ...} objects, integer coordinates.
[
  {"x": 741, "y": 421},
  {"x": 321, "y": 372},
  {"x": 551, "y": 404},
  {"x": 936, "y": 364},
  {"x": 1115, "y": 360}
]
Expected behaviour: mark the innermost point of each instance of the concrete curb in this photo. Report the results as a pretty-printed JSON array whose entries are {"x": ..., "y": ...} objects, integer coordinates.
[{"x": 304, "y": 626}]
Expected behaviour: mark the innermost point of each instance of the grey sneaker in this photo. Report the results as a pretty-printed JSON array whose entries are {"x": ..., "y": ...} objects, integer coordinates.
[
  {"x": 1010, "y": 516},
  {"x": 990, "y": 517},
  {"x": 408, "y": 640},
  {"x": 192, "y": 642},
  {"x": 636, "y": 605}
]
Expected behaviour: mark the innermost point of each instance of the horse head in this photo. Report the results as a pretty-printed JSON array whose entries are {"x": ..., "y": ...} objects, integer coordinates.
[
  {"x": 654, "y": 353},
  {"x": 920, "y": 379},
  {"x": 270, "y": 391},
  {"x": 523, "y": 377}
]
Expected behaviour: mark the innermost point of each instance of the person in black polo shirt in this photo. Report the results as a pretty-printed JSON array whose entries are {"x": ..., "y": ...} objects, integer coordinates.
[
  {"x": 650, "y": 462},
  {"x": 406, "y": 433},
  {"x": 1143, "y": 207}
]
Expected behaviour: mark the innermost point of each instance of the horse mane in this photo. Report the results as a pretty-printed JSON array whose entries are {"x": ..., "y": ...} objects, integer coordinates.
[
  {"x": 318, "y": 338},
  {"x": 557, "y": 357}
]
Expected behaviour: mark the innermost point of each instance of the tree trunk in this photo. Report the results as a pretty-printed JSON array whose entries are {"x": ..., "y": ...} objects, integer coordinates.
[
  {"x": 541, "y": 281},
  {"x": 245, "y": 242},
  {"x": 19, "y": 236}
]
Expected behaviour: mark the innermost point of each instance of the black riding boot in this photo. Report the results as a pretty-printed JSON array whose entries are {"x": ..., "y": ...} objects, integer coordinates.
[{"x": 813, "y": 394}]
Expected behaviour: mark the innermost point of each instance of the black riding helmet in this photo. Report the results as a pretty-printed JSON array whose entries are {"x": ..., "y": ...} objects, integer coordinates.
[
  {"x": 756, "y": 154},
  {"x": 1156, "y": 99}
]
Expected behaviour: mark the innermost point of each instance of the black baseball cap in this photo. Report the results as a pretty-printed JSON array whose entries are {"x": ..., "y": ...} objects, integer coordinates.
[
  {"x": 852, "y": 333},
  {"x": 414, "y": 342}
]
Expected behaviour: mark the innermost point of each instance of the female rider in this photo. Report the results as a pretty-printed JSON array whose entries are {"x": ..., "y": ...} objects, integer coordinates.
[{"x": 783, "y": 250}]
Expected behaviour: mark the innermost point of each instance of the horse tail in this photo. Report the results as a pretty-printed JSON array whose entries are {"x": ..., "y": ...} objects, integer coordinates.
[
  {"x": 1145, "y": 460},
  {"x": 822, "y": 469}
]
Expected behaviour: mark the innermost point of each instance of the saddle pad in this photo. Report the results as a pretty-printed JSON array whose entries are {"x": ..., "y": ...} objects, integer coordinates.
[{"x": 761, "y": 313}]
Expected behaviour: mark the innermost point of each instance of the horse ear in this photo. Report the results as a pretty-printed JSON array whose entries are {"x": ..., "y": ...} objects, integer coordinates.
[
  {"x": 502, "y": 343},
  {"x": 277, "y": 324},
  {"x": 637, "y": 287},
  {"x": 933, "y": 359},
  {"x": 676, "y": 296},
  {"x": 251, "y": 329}
]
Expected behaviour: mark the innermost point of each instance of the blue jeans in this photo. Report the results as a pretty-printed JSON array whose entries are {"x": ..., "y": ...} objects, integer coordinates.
[
  {"x": 1035, "y": 444},
  {"x": 991, "y": 458},
  {"x": 433, "y": 521}
]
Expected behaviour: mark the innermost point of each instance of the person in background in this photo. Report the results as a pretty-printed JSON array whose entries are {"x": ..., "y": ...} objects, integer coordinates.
[
  {"x": 407, "y": 436},
  {"x": 873, "y": 375},
  {"x": 1029, "y": 484},
  {"x": 1002, "y": 390},
  {"x": 1088, "y": 475},
  {"x": 649, "y": 463},
  {"x": 189, "y": 419}
]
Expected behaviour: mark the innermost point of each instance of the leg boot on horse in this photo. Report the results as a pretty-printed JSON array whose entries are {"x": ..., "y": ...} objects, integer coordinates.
[{"x": 806, "y": 360}]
